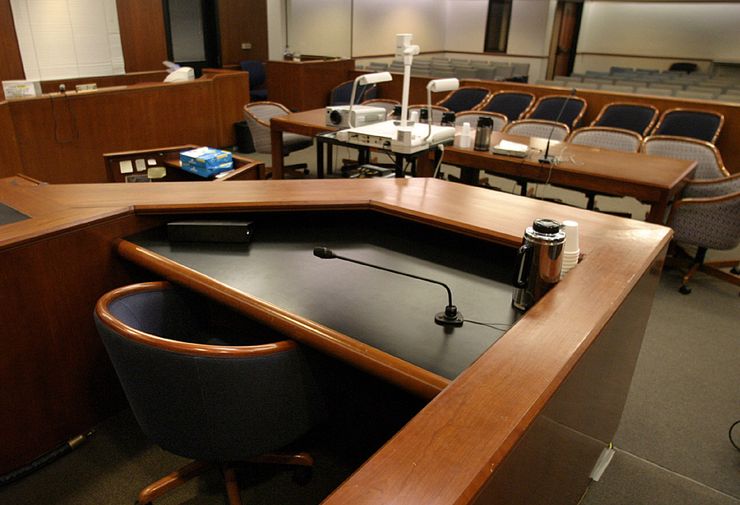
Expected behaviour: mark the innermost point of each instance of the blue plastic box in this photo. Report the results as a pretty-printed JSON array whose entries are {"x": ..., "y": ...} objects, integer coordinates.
[{"x": 206, "y": 161}]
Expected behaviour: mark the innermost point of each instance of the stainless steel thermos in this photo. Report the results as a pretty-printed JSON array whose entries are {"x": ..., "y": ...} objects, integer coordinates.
[
  {"x": 483, "y": 131},
  {"x": 539, "y": 260}
]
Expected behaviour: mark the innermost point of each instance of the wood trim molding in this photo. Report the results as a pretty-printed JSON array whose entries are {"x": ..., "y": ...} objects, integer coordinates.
[
  {"x": 647, "y": 57},
  {"x": 102, "y": 310}
]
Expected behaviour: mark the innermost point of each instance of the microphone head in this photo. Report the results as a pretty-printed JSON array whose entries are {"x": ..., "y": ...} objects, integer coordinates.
[{"x": 323, "y": 253}]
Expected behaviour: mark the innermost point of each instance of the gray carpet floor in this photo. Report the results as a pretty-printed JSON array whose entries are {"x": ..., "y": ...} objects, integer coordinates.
[{"x": 672, "y": 444}]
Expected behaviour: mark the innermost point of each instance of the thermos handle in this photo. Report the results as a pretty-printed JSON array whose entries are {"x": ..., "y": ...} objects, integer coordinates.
[{"x": 524, "y": 263}]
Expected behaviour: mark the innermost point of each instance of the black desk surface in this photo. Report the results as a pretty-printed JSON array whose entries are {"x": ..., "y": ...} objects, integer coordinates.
[
  {"x": 10, "y": 215},
  {"x": 390, "y": 312}
]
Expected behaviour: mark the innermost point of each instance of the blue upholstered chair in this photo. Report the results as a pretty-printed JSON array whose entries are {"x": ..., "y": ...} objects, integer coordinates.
[
  {"x": 257, "y": 77},
  {"x": 707, "y": 217},
  {"x": 512, "y": 104},
  {"x": 697, "y": 124},
  {"x": 465, "y": 98},
  {"x": 342, "y": 93},
  {"x": 636, "y": 117},
  {"x": 548, "y": 108},
  {"x": 202, "y": 391}
]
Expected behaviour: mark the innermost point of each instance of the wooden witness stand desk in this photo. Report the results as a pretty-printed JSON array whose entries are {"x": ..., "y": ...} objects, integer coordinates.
[{"x": 524, "y": 423}]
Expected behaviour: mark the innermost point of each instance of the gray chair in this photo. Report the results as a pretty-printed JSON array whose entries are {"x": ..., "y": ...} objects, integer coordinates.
[
  {"x": 203, "y": 391},
  {"x": 707, "y": 217},
  {"x": 423, "y": 109},
  {"x": 614, "y": 139},
  {"x": 385, "y": 103},
  {"x": 538, "y": 128},
  {"x": 258, "y": 115},
  {"x": 709, "y": 163},
  {"x": 472, "y": 116}
]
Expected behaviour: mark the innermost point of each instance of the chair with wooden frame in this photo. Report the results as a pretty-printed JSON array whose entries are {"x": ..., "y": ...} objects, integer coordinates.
[
  {"x": 538, "y": 128},
  {"x": 707, "y": 216},
  {"x": 471, "y": 116},
  {"x": 636, "y": 117},
  {"x": 709, "y": 164},
  {"x": 465, "y": 98},
  {"x": 437, "y": 112},
  {"x": 513, "y": 104},
  {"x": 341, "y": 94},
  {"x": 388, "y": 104},
  {"x": 693, "y": 123},
  {"x": 548, "y": 108},
  {"x": 258, "y": 115},
  {"x": 614, "y": 139},
  {"x": 202, "y": 391}
]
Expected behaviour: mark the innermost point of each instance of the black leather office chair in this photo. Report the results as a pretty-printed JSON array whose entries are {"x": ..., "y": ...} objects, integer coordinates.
[
  {"x": 636, "y": 117},
  {"x": 512, "y": 104},
  {"x": 694, "y": 123},
  {"x": 257, "y": 77},
  {"x": 548, "y": 108},
  {"x": 204, "y": 392}
]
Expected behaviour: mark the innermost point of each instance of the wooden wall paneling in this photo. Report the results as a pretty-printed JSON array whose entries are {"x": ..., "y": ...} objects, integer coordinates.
[
  {"x": 243, "y": 21},
  {"x": 10, "y": 158},
  {"x": 63, "y": 138},
  {"x": 67, "y": 384},
  {"x": 304, "y": 85},
  {"x": 141, "y": 24},
  {"x": 596, "y": 99},
  {"x": 11, "y": 65},
  {"x": 231, "y": 93}
]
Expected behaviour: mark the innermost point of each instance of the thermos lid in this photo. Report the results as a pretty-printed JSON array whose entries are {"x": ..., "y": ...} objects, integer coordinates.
[
  {"x": 546, "y": 226},
  {"x": 485, "y": 121}
]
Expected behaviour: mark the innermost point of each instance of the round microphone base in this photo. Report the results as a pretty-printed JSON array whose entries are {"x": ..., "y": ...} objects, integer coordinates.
[{"x": 444, "y": 319}]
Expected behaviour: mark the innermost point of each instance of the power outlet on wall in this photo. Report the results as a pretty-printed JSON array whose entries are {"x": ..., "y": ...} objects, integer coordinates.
[{"x": 246, "y": 45}]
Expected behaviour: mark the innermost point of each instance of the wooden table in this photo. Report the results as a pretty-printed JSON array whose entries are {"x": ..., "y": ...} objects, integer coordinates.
[
  {"x": 650, "y": 179},
  {"x": 523, "y": 423},
  {"x": 309, "y": 123}
]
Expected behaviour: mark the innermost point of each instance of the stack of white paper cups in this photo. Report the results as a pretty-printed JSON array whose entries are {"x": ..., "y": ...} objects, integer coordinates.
[{"x": 571, "y": 249}]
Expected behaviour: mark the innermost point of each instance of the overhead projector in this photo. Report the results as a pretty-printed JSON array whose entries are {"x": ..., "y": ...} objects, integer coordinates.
[{"x": 344, "y": 116}]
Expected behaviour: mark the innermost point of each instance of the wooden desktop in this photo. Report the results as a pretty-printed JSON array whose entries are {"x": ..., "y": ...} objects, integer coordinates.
[{"x": 523, "y": 424}]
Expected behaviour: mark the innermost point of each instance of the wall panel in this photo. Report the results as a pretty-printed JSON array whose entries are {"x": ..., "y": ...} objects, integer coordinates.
[
  {"x": 242, "y": 21},
  {"x": 142, "y": 34},
  {"x": 11, "y": 66},
  {"x": 61, "y": 138}
]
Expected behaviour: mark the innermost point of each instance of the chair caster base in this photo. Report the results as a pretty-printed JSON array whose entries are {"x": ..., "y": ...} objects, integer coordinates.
[{"x": 684, "y": 290}]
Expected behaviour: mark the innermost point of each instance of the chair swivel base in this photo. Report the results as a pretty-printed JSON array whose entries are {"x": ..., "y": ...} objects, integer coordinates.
[
  {"x": 193, "y": 469},
  {"x": 712, "y": 268}
]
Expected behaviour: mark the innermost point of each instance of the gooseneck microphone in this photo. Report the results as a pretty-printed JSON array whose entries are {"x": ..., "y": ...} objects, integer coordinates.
[
  {"x": 547, "y": 158},
  {"x": 450, "y": 316}
]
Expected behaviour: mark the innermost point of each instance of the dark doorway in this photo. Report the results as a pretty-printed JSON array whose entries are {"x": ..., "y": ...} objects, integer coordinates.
[
  {"x": 193, "y": 33},
  {"x": 564, "y": 38}
]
